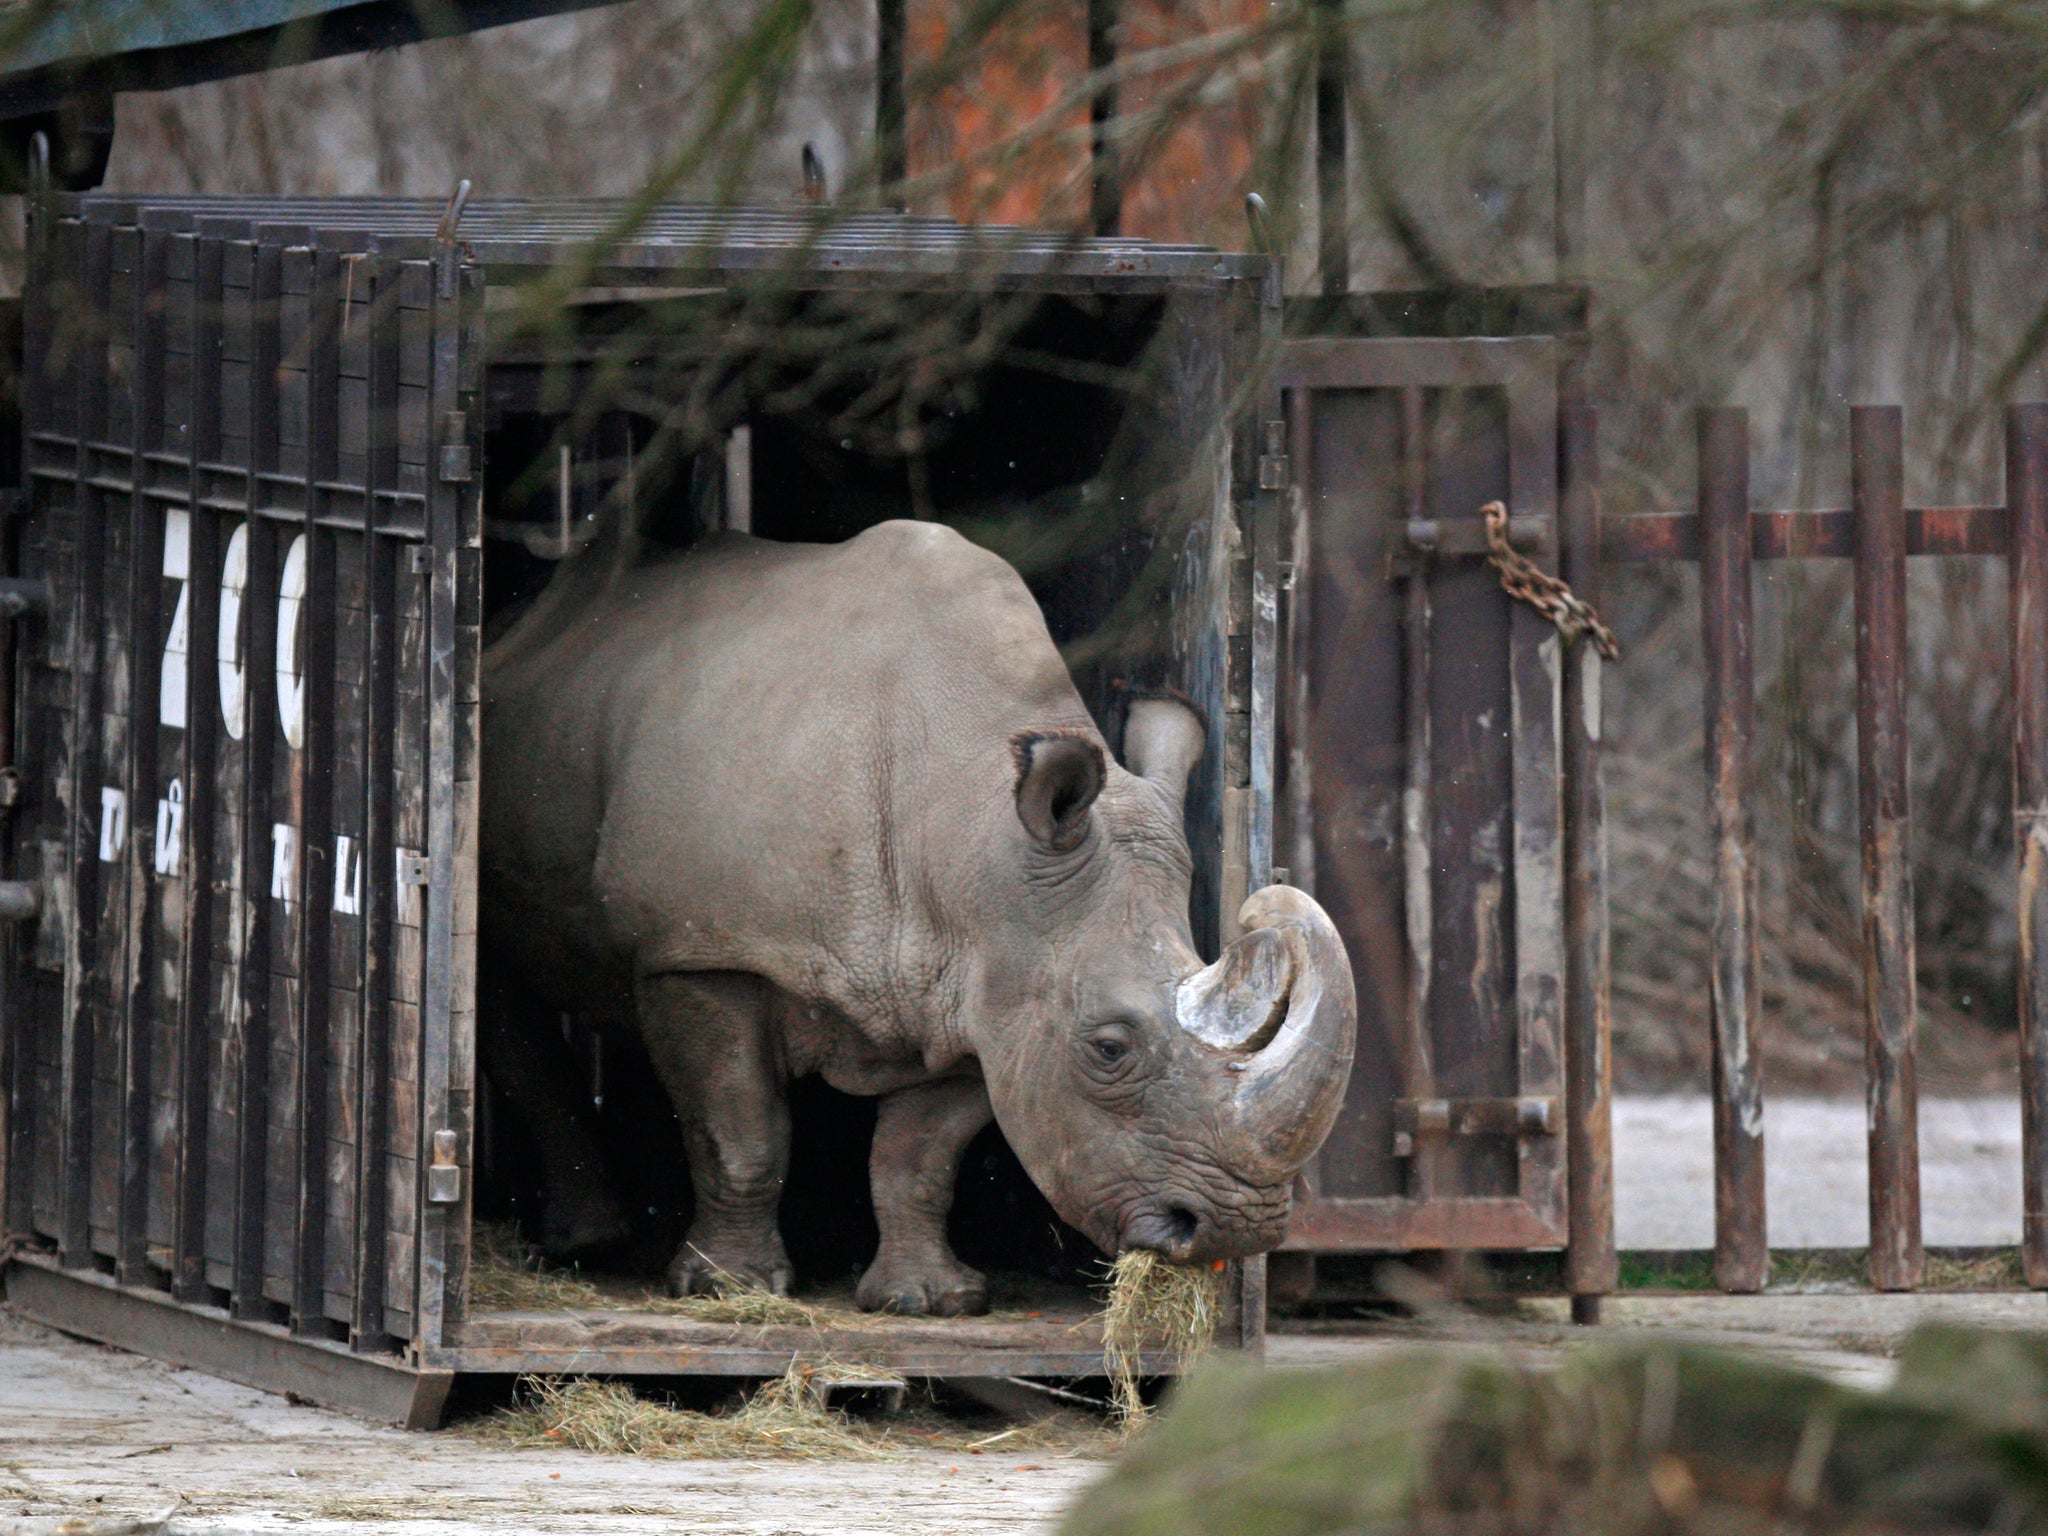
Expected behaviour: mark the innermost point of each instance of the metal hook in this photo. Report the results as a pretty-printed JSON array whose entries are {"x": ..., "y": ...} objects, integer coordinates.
[
  {"x": 451, "y": 216},
  {"x": 1261, "y": 223}
]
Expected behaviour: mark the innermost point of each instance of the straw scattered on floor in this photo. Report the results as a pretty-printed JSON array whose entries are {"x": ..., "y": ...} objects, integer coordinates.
[
  {"x": 787, "y": 1419},
  {"x": 1167, "y": 1308}
]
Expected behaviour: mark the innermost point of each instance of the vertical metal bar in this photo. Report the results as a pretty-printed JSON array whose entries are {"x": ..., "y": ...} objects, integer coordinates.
[
  {"x": 2026, "y": 494},
  {"x": 1301, "y": 852},
  {"x": 739, "y": 479},
  {"x": 251, "y": 915},
  {"x": 141, "y": 587},
  {"x": 315, "y": 767},
  {"x": 1591, "y": 1269},
  {"x": 1333, "y": 199},
  {"x": 892, "y": 161},
  {"x": 81, "y": 793},
  {"x": 1877, "y": 472},
  {"x": 1741, "y": 1250},
  {"x": 188, "y": 1240},
  {"x": 1418, "y": 1064},
  {"x": 1571, "y": 79},
  {"x": 1106, "y": 196}
]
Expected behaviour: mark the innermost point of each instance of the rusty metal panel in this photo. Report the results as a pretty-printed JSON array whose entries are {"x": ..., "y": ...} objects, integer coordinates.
[
  {"x": 1426, "y": 805},
  {"x": 1741, "y": 1252},
  {"x": 1878, "y": 472},
  {"x": 2026, "y": 477}
]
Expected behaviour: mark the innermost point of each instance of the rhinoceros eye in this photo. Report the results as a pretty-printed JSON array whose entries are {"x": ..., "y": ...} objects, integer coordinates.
[{"x": 1111, "y": 1044}]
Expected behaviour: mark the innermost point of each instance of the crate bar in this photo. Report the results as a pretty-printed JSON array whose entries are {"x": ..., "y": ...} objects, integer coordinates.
[
  {"x": 383, "y": 557},
  {"x": 19, "y": 1043},
  {"x": 1878, "y": 475},
  {"x": 314, "y": 653},
  {"x": 2026, "y": 471},
  {"x": 140, "y": 898},
  {"x": 1418, "y": 1068},
  {"x": 1826, "y": 534},
  {"x": 1741, "y": 1251},
  {"x": 81, "y": 769},
  {"x": 202, "y": 712},
  {"x": 1591, "y": 1267},
  {"x": 249, "y": 918},
  {"x": 453, "y": 681},
  {"x": 1535, "y": 698}
]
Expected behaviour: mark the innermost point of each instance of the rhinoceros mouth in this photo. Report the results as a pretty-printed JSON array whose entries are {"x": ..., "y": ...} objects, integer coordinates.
[{"x": 1167, "y": 1228}]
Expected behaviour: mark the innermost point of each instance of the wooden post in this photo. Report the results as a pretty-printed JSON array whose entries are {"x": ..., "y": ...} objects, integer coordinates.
[
  {"x": 1741, "y": 1253},
  {"x": 2026, "y": 494},
  {"x": 1877, "y": 468},
  {"x": 1591, "y": 1269}
]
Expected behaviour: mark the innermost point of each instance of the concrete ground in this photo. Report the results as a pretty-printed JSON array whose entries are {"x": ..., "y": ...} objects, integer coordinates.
[
  {"x": 91, "y": 1434},
  {"x": 1815, "y": 1173}
]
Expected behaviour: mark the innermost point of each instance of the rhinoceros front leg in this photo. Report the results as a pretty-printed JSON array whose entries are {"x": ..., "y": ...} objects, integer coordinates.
[
  {"x": 920, "y": 1135},
  {"x": 709, "y": 1037}
]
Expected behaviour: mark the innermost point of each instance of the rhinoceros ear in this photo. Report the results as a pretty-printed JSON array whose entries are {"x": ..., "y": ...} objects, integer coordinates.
[
  {"x": 1163, "y": 740},
  {"x": 1059, "y": 774}
]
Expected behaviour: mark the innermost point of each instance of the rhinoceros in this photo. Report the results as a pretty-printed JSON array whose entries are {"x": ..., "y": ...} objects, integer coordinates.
[{"x": 840, "y": 809}]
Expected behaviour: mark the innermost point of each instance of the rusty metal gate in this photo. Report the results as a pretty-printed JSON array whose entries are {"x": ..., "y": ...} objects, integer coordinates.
[
  {"x": 1423, "y": 803},
  {"x": 239, "y": 1043}
]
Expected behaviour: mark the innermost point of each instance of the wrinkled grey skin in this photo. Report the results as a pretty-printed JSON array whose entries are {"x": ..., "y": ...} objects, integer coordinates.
[{"x": 839, "y": 809}]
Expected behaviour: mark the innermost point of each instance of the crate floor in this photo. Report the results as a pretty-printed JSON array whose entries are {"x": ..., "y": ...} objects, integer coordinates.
[{"x": 1057, "y": 1339}]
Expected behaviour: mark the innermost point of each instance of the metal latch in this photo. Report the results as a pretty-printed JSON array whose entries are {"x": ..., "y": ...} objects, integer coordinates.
[
  {"x": 1273, "y": 462},
  {"x": 21, "y": 596},
  {"x": 444, "y": 1174},
  {"x": 21, "y": 901},
  {"x": 455, "y": 446},
  {"x": 419, "y": 559},
  {"x": 1524, "y": 1116},
  {"x": 412, "y": 868}
]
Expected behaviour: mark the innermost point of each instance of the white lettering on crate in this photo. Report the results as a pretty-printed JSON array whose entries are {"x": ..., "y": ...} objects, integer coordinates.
[
  {"x": 348, "y": 876},
  {"x": 170, "y": 828},
  {"x": 170, "y": 694},
  {"x": 113, "y": 823},
  {"x": 291, "y": 670},
  {"x": 234, "y": 689},
  {"x": 284, "y": 862}
]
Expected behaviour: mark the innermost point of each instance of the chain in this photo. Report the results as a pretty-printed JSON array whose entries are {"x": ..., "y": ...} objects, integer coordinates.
[{"x": 1572, "y": 614}]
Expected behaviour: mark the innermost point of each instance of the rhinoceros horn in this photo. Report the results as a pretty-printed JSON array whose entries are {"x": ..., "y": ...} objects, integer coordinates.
[{"x": 1280, "y": 1010}]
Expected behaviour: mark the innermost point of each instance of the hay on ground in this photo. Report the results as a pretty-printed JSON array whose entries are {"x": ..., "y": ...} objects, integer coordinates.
[
  {"x": 786, "y": 1419},
  {"x": 1168, "y": 1307}
]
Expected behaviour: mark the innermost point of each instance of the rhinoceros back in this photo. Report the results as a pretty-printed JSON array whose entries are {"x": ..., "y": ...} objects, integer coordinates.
[{"x": 767, "y": 757}]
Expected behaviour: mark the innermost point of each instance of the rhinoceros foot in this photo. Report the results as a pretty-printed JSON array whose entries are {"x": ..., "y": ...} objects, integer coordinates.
[
  {"x": 706, "y": 1267},
  {"x": 922, "y": 1284}
]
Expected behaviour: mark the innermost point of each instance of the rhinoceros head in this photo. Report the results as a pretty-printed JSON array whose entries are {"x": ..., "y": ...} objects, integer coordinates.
[{"x": 1158, "y": 1102}]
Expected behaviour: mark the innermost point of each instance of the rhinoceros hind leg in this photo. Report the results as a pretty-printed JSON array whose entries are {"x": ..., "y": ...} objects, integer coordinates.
[
  {"x": 709, "y": 1036},
  {"x": 920, "y": 1136}
]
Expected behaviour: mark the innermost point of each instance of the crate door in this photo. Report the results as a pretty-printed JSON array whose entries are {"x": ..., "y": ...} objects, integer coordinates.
[
  {"x": 241, "y": 1027},
  {"x": 1422, "y": 799}
]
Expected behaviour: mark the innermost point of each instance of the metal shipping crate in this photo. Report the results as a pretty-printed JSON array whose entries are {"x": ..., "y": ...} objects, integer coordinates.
[{"x": 239, "y": 1045}]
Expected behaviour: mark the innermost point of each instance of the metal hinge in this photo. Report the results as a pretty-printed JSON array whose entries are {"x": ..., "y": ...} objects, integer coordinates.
[
  {"x": 412, "y": 868},
  {"x": 1523, "y": 1116},
  {"x": 455, "y": 447},
  {"x": 444, "y": 1174},
  {"x": 419, "y": 560},
  {"x": 1273, "y": 467}
]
